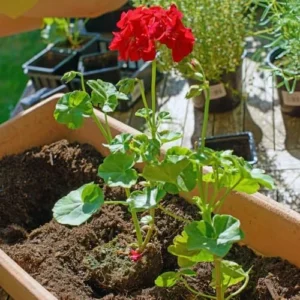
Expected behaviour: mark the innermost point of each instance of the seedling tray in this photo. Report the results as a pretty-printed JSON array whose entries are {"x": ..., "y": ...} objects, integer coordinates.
[{"x": 242, "y": 145}]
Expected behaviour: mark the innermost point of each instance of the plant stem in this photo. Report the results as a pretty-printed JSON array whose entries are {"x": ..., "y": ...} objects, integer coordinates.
[
  {"x": 108, "y": 129},
  {"x": 116, "y": 202},
  {"x": 219, "y": 283},
  {"x": 82, "y": 81},
  {"x": 142, "y": 89},
  {"x": 240, "y": 289},
  {"x": 153, "y": 98},
  {"x": 150, "y": 231},
  {"x": 205, "y": 117},
  {"x": 169, "y": 213},
  {"x": 196, "y": 292},
  {"x": 100, "y": 126},
  {"x": 135, "y": 222}
]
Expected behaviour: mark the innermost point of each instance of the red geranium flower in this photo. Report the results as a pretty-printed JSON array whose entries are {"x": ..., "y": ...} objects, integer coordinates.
[{"x": 143, "y": 28}]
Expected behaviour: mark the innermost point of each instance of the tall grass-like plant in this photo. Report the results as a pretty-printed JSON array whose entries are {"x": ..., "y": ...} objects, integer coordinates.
[
  {"x": 283, "y": 19},
  {"x": 219, "y": 26}
]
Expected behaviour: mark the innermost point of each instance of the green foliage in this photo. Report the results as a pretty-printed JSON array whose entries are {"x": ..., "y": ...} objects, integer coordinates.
[
  {"x": 61, "y": 30},
  {"x": 72, "y": 108},
  {"x": 167, "y": 279},
  {"x": 79, "y": 205},
  {"x": 283, "y": 19},
  {"x": 120, "y": 143},
  {"x": 232, "y": 273},
  {"x": 105, "y": 95},
  {"x": 117, "y": 170},
  {"x": 217, "y": 237},
  {"x": 69, "y": 76},
  {"x": 145, "y": 199},
  {"x": 126, "y": 85}
]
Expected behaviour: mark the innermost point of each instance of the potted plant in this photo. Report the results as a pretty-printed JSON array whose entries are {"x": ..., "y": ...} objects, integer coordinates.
[
  {"x": 283, "y": 59},
  {"x": 124, "y": 259},
  {"x": 220, "y": 28},
  {"x": 46, "y": 68}
]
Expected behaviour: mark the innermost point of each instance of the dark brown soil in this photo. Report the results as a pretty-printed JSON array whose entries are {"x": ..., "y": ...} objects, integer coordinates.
[{"x": 91, "y": 261}]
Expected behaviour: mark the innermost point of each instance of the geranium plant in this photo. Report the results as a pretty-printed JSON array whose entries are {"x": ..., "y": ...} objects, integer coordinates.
[{"x": 142, "y": 32}]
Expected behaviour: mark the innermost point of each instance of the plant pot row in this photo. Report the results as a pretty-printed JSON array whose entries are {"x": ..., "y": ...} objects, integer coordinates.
[
  {"x": 93, "y": 59},
  {"x": 270, "y": 228}
]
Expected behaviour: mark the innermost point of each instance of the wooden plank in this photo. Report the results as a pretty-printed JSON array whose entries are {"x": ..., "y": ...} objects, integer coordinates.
[
  {"x": 287, "y": 131},
  {"x": 173, "y": 101},
  {"x": 259, "y": 115},
  {"x": 230, "y": 121}
]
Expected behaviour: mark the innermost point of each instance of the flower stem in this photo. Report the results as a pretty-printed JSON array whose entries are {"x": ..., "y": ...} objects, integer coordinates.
[
  {"x": 153, "y": 98},
  {"x": 116, "y": 202},
  {"x": 82, "y": 81},
  {"x": 219, "y": 283},
  {"x": 100, "y": 126},
  {"x": 135, "y": 222},
  {"x": 240, "y": 289},
  {"x": 108, "y": 129},
  {"x": 142, "y": 89},
  {"x": 205, "y": 117}
]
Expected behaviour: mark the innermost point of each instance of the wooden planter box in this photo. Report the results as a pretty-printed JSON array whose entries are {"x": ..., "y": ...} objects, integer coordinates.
[{"x": 270, "y": 228}]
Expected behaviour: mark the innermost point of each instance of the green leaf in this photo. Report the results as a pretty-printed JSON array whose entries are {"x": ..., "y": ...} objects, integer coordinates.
[
  {"x": 120, "y": 143},
  {"x": 186, "y": 257},
  {"x": 144, "y": 112},
  {"x": 145, "y": 199},
  {"x": 164, "y": 116},
  {"x": 232, "y": 273},
  {"x": 167, "y": 136},
  {"x": 79, "y": 205},
  {"x": 72, "y": 108},
  {"x": 105, "y": 95},
  {"x": 216, "y": 238},
  {"x": 167, "y": 279},
  {"x": 195, "y": 90},
  {"x": 116, "y": 170},
  {"x": 147, "y": 149},
  {"x": 69, "y": 76},
  {"x": 188, "y": 272},
  {"x": 146, "y": 220},
  {"x": 126, "y": 85},
  {"x": 177, "y": 153}
]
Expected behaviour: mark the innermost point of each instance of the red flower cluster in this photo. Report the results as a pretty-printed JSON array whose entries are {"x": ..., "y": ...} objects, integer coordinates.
[{"x": 142, "y": 28}]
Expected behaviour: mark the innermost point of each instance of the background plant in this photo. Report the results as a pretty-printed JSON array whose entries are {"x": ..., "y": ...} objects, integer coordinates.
[
  {"x": 283, "y": 20},
  {"x": 63, "y": 29},
  {"x": 219, "y": 26}
]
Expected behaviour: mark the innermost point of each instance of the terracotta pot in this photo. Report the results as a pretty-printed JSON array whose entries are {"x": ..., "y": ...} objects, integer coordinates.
[{"x": 270, "y": 228}]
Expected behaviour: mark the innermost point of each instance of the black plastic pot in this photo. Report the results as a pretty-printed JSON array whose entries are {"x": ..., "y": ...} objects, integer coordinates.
[
  {"x": 290, "y": 103},
  {"x": 107, "y": 22},
  {"x": 46, "y": 68},
  {"x": 225, "y": 95},
  {"x": 90, "y": 44},
  {"x": 242, "y": 144},
  {"x": 102, "y": 66}
]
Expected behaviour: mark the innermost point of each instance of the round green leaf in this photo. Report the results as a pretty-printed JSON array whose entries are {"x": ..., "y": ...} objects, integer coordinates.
[
  {"x": 79, "y": 205},
  {"x": 167, "y": 279},
  {"x": 72, "y": 108},
  {"x": 117, "y": 170}
]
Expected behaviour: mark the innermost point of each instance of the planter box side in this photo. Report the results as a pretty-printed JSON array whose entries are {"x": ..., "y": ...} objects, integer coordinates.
[
  {"x": 30, "y": 129},
  {"x": 19, "y": 284}
]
